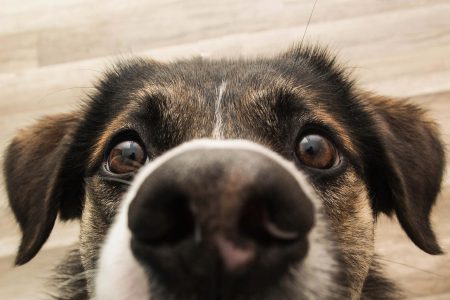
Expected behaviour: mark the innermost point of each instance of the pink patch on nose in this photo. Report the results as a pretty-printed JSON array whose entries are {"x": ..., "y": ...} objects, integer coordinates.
[{"x": 234, "y": 258}]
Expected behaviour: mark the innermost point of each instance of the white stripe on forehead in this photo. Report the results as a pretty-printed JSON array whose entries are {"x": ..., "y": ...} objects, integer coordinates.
[{"x": 218, "y": 124}]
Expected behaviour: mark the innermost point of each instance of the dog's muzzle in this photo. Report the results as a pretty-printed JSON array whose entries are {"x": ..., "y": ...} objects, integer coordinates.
[
  {"x": 228, "y": 213},
  {"x": 215, "y": 220}
]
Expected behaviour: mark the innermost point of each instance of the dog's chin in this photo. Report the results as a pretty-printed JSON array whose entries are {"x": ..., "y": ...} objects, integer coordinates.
[{"x": 319, "y": 275}]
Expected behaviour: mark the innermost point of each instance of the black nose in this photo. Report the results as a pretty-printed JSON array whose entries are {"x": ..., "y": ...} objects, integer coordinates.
[{"x": 228, "y": 213}]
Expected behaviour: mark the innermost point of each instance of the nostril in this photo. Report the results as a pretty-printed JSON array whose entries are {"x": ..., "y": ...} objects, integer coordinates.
[
  {"x": 161, "y": 216},
  {"x": 272, "y": 218},
  {"x": 277, "y": 232},
  {"x": 257, "y": 224}
]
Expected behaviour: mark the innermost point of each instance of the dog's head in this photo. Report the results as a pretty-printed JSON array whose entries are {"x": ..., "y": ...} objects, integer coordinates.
[{"x": 229, "y": 179}]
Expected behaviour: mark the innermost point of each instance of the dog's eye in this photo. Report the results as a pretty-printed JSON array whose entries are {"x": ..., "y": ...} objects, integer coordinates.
[
  {"x": 126, "y": 157},
  {"x": 316, "y": 151}
]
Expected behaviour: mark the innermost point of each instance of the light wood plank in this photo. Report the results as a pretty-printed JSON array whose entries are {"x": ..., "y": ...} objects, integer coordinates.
[{"x": 56, "y": 28}]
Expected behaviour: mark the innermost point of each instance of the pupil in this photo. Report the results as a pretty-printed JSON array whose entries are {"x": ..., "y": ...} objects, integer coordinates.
[
  {"x": 313, "y": 144},
  {"x": 130, "y": 151}
]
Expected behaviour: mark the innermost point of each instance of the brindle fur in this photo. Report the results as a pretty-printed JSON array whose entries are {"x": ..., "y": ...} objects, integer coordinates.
[{"x": 393, "y": 157}]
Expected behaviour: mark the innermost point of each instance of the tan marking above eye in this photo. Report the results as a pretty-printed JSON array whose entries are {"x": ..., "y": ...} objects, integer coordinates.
[
  {"x": 316, "y": 151},
  {"x": 126, "y": 157}
]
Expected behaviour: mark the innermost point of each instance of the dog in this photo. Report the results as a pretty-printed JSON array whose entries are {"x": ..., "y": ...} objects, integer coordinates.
[{"x": 226, "y": 179}]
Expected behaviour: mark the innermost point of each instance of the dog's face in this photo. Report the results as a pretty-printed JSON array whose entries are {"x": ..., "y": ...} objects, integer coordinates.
[{"x": 231, "y": 179}]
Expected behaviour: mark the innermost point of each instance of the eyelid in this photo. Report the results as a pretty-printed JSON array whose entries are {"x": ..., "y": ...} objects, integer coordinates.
[{"x": 322, "y": 130}]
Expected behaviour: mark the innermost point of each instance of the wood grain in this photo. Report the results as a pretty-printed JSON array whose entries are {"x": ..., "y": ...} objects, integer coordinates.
[{"x": 51, "y": 53}]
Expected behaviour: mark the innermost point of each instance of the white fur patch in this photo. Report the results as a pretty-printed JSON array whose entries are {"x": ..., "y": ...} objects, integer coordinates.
[
  {"x": 218, "y": 124},
  {"x": 121, "y": 277}
]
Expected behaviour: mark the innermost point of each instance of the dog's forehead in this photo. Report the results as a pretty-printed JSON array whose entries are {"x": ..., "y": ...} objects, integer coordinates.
[
  {"x": 224, "y": 83},
  {"x": 234, "y": 95},
  {"x": 240, "y": 76}
]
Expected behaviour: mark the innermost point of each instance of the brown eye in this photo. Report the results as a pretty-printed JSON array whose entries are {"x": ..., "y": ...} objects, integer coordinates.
[
  {"x": 317, "y": 152},
  {"x": 126, "y": 157}
]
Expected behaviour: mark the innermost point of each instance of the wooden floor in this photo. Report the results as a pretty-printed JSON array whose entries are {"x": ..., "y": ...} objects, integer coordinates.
[{"x": 51, "y": 51}]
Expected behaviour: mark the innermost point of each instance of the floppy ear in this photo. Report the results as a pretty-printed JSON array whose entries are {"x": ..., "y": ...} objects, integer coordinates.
[
  {"x": 41, "y": 182},
  {"x": 406, "y": 167}
]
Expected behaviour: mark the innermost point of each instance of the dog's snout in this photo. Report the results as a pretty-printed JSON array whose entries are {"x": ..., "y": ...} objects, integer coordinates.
[{"x": 226, "y": 209}]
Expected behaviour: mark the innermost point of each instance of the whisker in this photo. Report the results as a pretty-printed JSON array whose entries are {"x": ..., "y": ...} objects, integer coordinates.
[
  {"x": 119, "y": 180},
  {"x": 307, "y": 24},
  {"x": 67, "y": 280},
  {"x": 409, "y": 266},
  {"x": 61, "y": 90},
  {"x": 72, "y": 283}
]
